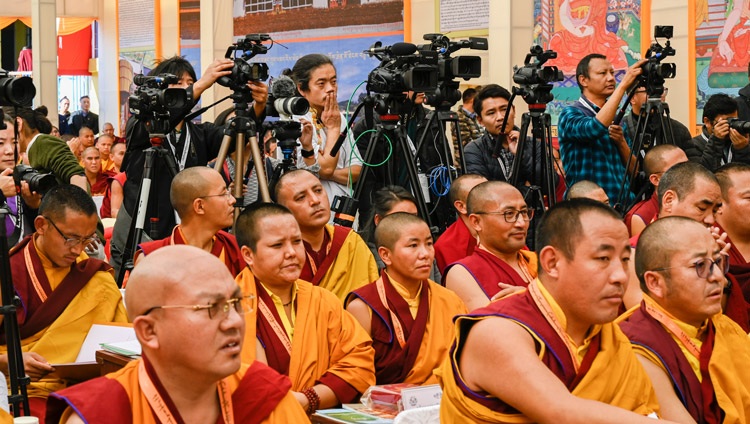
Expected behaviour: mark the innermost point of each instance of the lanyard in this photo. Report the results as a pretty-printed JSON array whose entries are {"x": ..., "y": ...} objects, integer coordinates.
[
  {"x": 674, "y": 329},
  {"x": 160, "y": 408},
  {"x": 587, "y": 104},
  {"x": 280, "y": 332},
  {"x": 172, "y": 145},
  {"x": 397, "y": 327},
  {"x": 549, "y": 314}
]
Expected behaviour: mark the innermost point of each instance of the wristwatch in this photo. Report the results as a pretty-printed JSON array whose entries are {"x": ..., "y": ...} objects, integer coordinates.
[{"x": 307, "y": 153}]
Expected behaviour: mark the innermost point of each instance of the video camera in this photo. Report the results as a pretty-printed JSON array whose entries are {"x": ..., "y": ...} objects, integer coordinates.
[
  {"x": 450, "y": 68},
  {"x": 655, "y": 71},
  {"x": 153, "y": 100},
  {"x": 244, "y": 71},
  {"x": 739, "y": 125},
  {"x": 282, "y": 100},
  {"x": 402, "y": 70},
  {"x": 535, "y": 80},
  {"x": 16, "y": 91}
]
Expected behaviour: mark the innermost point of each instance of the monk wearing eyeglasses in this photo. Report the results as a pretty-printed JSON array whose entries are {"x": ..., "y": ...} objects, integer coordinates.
[
  {"x": 500, "y": 264},
  {"x": 190, "y": 324},
  {"x": 63, "y": 291},
  {"x": 205, "y": 206}
]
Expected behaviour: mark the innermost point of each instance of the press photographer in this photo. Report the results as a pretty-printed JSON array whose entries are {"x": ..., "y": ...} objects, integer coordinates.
[
  {"x": 190, "y": 144},
  {"x": 723, "y": 138}
]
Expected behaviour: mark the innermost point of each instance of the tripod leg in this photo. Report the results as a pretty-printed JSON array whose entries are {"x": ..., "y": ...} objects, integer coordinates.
[
  {"x": 411, "y": 170},
  {"x": 223, "y": 150},
  {"x": 260, "y": 170}
]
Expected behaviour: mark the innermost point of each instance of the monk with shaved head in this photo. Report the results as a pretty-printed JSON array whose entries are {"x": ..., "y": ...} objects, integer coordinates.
[
  {"x": 459, "y": 239},
  {"x": 500, "y": 263},
  {"x": 200, "y": 197},
  {"x": 92, "y": 166},
  {"x": 589, "y": 190},
  {"x": 405, "y": 303},
  {"x": 190, "y": 324}
]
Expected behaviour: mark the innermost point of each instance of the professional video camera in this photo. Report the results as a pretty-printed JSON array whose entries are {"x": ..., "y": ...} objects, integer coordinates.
[
  {"x": 655, "y": 71},
  {"x": 739, "y": 125},
  {"x": 38, "y": 182},
  {"x": 244, "y": 71},
  {"x": 535, "y": 80},
  {"x": 16, "y": 91},
  {"x": 450, "y": 68},
  {"x": 402, "y": 70},
  {"x": 282, "y": 100},
  {"x": 153, "y": 100}
]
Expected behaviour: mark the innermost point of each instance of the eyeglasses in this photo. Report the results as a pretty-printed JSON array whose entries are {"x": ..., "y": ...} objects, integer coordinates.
[
  {"x": 72, "y": 241},
  {"x": 226, "y": 194},
  {"x": 242, "y": 305},
  {"x": 511, "y": 216},
  {"x": 704, "y": 267}
]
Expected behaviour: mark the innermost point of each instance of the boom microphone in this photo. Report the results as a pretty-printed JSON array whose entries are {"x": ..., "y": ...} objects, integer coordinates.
[
  {"x": 397, "y": 49},
  {"x": 283, "y": 87}
]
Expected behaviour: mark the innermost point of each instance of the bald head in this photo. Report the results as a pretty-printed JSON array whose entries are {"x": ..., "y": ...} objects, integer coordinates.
[
  {"x": 162, "y": 276},
  {"x": 390, "y": 228},
  {"x": 488, "y": 194},
  {"x": 289, "y": 178},
  {"x": 682, "y": 178},
  {"x": 662, "y": 157},
  {"x": 460, "y": 188},
  {"x": 190, "y": 184},
  {"x": 589, "y": 190}
]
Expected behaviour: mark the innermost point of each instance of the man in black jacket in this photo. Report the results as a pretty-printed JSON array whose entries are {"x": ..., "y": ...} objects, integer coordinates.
[
  {"x": 482, "y": 158},
  {"x": 190, "y": 145},
  {"x": 680, "y": 132},
  {"x": 717, "y": 144}
]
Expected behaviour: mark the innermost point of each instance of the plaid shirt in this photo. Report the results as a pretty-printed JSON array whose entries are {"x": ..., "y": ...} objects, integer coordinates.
[{"x": 587, "y": 152}]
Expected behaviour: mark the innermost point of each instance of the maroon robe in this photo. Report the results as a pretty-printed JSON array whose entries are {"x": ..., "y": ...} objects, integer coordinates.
[
  {"x": 488, "y": 270},
  {"x": 739, "y": 267},
  {"x": 645, "y": 209},
  {"x": 101, "y": 184},
  {"x": 393, "y": 363},
  {"x": 522, "y": 308},
  {"x": 105, "y": 400},
  {"x": 105, "y": 211},
  {"x": 697, "y": 397},
  {"x": 454, "y": 244},
  {"x": 33, "y": 314},
  {"x": 224, "y": 241},
  {"x": 337, "y": 242}
]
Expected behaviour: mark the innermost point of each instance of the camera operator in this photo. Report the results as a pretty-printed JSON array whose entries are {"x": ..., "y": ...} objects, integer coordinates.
[
  {"x": 191, "y": 144},
  {"x": 718, "y": 144},
  {"x": 680, "y": 133},
  {"x": 490, "y": 105},
  {"x": 22, "y": 206},
  {"x": 591, "y": 147},
  {"x": 45, "y": 153},
  {"x": 315, "y": 77}
]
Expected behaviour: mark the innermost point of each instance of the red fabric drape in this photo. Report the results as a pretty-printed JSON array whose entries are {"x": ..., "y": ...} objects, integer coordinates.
[{"x": 74, "y": 52}]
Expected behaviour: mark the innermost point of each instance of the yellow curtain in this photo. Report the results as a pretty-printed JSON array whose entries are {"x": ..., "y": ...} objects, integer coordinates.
[{"x": 67, "y": 26}]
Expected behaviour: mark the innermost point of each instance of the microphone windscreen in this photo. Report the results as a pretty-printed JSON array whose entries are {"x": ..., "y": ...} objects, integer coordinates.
[
  {"x": 403, "y": 49},
  {"x": 283, "y": 87}
]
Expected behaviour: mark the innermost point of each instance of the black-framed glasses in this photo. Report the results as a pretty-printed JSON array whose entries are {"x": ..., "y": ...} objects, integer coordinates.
[
  {"x": 242, "y": 305},
  {"x": 704, "y": 267},
  {"x": 226, "y": 194},
  {"x": 72, "y": 241},
  {"x": 511, "y": 215}
]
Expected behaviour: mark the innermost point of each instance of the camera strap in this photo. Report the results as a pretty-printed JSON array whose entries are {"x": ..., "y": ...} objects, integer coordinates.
[{"x": 173, "y": 139}]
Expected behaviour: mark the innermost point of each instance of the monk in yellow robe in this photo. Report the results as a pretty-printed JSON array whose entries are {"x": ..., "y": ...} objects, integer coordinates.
[
  {"x": 552, "y": 352},
  {"x": 189, "y": 322},
  {"x": 63, "y": 292},
  {"x": 696, "y": 356},
  {"x": 409, "y": 317},
  {"x": 302, "y": 330},
  {"x": 336, "y": 258}
]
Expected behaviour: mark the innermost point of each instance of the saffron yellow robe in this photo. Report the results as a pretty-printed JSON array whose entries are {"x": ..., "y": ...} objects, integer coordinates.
[{"x": 353, "y": 267}]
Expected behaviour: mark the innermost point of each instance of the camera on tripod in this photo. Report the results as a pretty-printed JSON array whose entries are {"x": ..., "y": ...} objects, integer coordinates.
[
  {"x": 742, "y": 127},
  {"x": 153, "y": 100},
  {"x": 535, "y": 80},
  {"x": 16, "y": 91},
  {"x": 655, "y": 71},
  {"x": 283, "y": 101},
  {"x": 402, "y": 70},
  {"x": 244, "y": 71},
  {"x": 450, "y": 68}
]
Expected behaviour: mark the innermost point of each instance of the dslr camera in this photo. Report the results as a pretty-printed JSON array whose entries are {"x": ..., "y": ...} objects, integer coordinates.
[
  {"x": 534, "y": 79},
  {"x": 655, "y": 71},
  {"x": 742, "y": 127},
  {"x": 244, "y": 71},
  {"x": 153, "y": 100},
  {"x": 451, "y": 68},
  {"x": 401, "y": 69},
  {"x": 16, "y": 91},
  {"x": 38, "y": 182}
]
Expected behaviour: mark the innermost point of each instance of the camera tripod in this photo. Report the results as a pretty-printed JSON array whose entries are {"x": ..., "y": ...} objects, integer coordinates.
[
  {"x": 391, "y": 127},
  {"x": 135, "y": 235},
  {"x": 653, "y": 127},
  {"x": 18, "y": 398}
]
